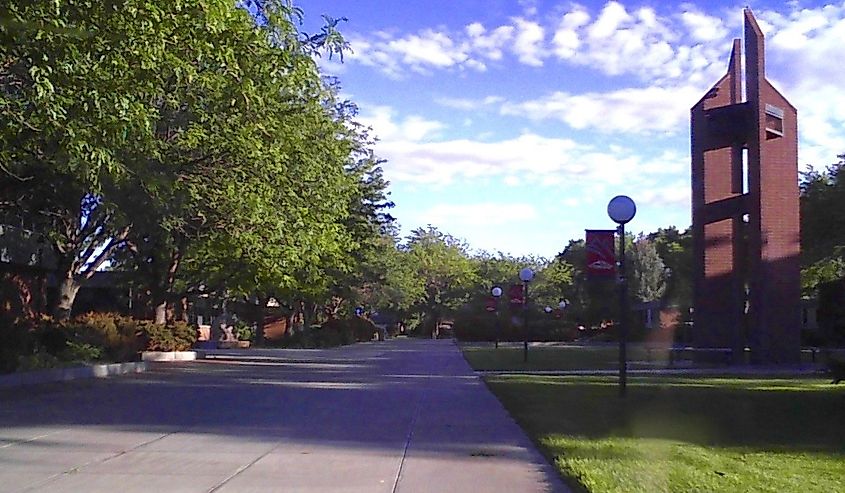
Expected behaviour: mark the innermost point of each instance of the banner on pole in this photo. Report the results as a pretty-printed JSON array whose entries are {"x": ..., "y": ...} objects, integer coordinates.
[
  {"x": 516, "y": 294},
  {"x": 491, "y": 304},
  {"x": 601, "y": 252}
]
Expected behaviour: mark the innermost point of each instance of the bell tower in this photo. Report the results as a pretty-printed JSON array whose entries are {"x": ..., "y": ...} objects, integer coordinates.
[{"x": 745, "y": 212}]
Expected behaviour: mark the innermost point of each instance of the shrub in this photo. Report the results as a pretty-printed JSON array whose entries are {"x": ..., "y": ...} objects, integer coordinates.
[
  {"x": 335, "y": 332},
  {"x": 39, "y": 360},
  {"x": 16, "y": 340},
  {"x": 244, "y": 332},
  {"x": 81, "y": 352},
  {"x": 116, "y": 335},
  {"x": 178, "y": 336}
]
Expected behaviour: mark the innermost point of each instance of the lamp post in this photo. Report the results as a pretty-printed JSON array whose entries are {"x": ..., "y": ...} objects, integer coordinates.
[
  {"x": 525, "y": 275},
  {"x": 497, "y": 293},
  {"x": 622, "y": 209}
]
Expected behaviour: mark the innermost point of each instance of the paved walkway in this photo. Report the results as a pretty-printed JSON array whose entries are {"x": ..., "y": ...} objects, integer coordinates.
[{"x": 401, "y": 415}]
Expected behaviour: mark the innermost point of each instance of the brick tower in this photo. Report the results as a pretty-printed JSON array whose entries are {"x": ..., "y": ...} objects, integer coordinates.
[{"x": 745, "y": 213}]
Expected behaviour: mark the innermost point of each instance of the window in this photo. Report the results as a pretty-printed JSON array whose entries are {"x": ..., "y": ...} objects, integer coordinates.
[{"x": 774, "y": 122}]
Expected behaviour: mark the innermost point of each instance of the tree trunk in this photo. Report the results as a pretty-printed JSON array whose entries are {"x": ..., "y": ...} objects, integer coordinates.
[
  {"x": 259, "y": 320},
  {"x": 170, "y": 311},
  {"x": 307, "y": 314},
  {"x": 183, "y": 309},
  {"x": 290, "y": 319},
  {"x": 68, "y": 288},
  {"x": 161, "y": 313}
]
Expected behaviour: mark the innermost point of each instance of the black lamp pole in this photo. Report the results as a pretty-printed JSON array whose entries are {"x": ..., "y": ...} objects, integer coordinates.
[
  {"x": 623, "y": 315},
  {"x": 622, "y": 209}
]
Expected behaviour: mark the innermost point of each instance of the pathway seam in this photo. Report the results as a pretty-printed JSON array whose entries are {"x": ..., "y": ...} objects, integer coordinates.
[
  {"x": 408, "y": 439},
  {"x": 243, "y": 468}
]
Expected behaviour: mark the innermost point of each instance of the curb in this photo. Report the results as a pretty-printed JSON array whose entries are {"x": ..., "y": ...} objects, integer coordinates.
[
  {"x": 158, "y": 356},
  {"x": 67, "y": 374}
]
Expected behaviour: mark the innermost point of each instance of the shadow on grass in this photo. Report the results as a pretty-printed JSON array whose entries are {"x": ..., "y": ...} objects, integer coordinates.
[
  {"x": 685, "y": 434},
  {"x": 779, "y": 413}
]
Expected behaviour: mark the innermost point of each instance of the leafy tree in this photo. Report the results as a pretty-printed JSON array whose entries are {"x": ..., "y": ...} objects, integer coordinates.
[
  {"x": 822, "y": 226},
  {"x": 647, "y": 273},
  {"x": 675, "y": 249},
  {"x": 445, "y": 275},
  {"x": 74, "y": 87},
  {"x": 592, "y": 300},
  {"x": 188, "y": 113},
  {"x": 553, "y": 281}
]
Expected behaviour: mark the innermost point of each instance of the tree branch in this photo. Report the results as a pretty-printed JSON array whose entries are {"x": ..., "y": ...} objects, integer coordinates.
[{"x": 113, "y": 243}]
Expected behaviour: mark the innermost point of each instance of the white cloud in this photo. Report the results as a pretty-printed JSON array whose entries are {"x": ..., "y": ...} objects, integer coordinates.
[
  {"x": 676, "y": 194},
  {"x": 638, "y": 111},
  {"x": 612, "y": 16},
  {"x": 566, "y": 40},
  {"x": 704, "y": 28},
  {"x": 479, "y": 214},
  {"x": 529, "y": 7},
  {"x": 468, "y": 104},
  {"x": 528, "y": 43},
  {"x": 489, "y": 45},
  {"x": 676, "y": 55},
  {"x": 430, "y": 48},
  {"x": 414, "y": 157},
  {"x": 414, "y": 128},
  {"x": 655, "y": 48}
]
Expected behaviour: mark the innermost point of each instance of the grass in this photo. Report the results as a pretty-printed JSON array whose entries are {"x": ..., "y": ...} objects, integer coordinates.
[
  {"x": 554, "y": 358},
  {"x": 563, "y": 358},
  {"x": 685, "y": 434}
]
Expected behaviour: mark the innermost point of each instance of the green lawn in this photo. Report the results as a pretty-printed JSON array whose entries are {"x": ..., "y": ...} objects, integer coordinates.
[
  {"x": 574, "y": 357},
  {"x": 554, "y": 358},
  {"x": 685, "y": 434}
]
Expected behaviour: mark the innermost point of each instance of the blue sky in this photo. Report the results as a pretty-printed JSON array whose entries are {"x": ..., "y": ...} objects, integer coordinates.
[{"x": 511, "y": 124}]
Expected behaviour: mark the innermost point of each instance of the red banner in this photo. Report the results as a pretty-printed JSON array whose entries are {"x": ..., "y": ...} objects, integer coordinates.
[
  {"x": 491, "y": 304},
  {"x": 601, "y": 252},
  {"x": 516, "y": 294}
]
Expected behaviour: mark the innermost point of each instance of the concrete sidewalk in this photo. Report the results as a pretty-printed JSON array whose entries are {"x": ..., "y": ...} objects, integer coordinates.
[{"x": 401, "y": 415}]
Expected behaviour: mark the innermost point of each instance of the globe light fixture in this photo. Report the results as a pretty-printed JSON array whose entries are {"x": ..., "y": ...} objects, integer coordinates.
[{"x": 621, "y": 209}]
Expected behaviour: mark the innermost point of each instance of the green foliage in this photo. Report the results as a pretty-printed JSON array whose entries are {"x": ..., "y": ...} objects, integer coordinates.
[
  {"x": 244, "y": 332},
  {"x": 115, "y": 335},
  {"x": 335, "y": 332},
  {"x": 39, "y": 360},
  {"x": 444, "y": 275},
  {"x": 592, "y": 300},
  {"x": 81, "y": 352},
  {"x": 553, "y": 281},
  {"x": 822, "y": 226},
  {"x": 180, "y": 139},
  {"x": 45, "y": 342},
  {"x": 675, "y": 250},
  {"x": 177, "y": 336},
  {"x": 647, "y": 271}
]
